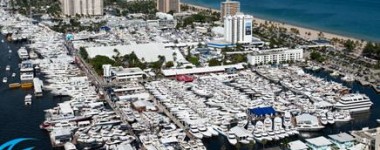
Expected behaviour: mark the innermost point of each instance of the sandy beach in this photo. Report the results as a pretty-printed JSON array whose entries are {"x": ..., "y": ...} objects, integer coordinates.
[{"x": 306, "y": 33}]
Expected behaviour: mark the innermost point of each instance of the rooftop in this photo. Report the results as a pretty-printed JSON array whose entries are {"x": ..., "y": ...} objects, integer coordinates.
[
  {"x": 319, "y": 141},
  {"x": 173, "y": 72},
  {"x": 342, "y": 137},
  {"x": 275, "y": 51},
  {"x": 297, "y": 145},
  {"x": 149, "y": 51},
  {"x": 126, "y": 71}
]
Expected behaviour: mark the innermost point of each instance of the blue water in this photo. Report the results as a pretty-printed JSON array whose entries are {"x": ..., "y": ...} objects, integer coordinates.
[
  {"x": 16, "y": 119},
  {"x": 355, "y": 18}
]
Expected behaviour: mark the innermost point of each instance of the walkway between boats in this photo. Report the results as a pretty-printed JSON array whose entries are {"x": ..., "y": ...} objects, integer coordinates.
[
  {"x": 99, "y": 83},
  {"x": 172, "y": 118}
]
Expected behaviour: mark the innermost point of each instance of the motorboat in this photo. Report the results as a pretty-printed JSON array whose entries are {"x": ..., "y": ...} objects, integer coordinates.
[
  {"x": 323, "y": 119},
  {"x": 8, "y": 67},
  {"x": 204, "y": 131},
  {"x": 195, "y": 132},
  {"x": 354, "y": 103},
  {"x": 231, "y": 138},
  {"x": 5, "y": 79},
  {"x": 330, "y": 118},
  {"x": 13, "y": 75},
  {"x": 28, "y": 99},
  {"x": 307, "y": 122},
  {"x": 212, "y": 131},
  {"x": 23, "y": 53},
  {"x": 334, "y": 74}
]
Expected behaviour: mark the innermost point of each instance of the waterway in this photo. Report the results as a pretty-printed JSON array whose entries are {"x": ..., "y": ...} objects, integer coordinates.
[{"x": 16, "y": 119}]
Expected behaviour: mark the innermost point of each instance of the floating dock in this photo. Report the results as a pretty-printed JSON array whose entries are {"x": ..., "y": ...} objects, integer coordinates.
[{"x": 14, "y": 85}]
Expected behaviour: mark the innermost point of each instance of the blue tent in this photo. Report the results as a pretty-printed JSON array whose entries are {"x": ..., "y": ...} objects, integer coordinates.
[
  {"x": 105, "y": 28},
  {"x": 262, "y": 111}
]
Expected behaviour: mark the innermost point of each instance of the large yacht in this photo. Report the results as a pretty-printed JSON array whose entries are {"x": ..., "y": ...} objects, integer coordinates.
[
  {"x": 23, "y": 53},
  {"x": 354, "y": 103}
]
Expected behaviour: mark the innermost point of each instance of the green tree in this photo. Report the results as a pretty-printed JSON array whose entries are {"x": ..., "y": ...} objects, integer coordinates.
[
  {"x": 194, "y": 60},
  {"x": 83, "y": 53},
  {"x": 98, "y": 61},
  {"x": 169, "y": 64},
  {"x": 214, "y": 62},
  {"x": 316, "y": 56},
  {"x": 349, "y": 45}
]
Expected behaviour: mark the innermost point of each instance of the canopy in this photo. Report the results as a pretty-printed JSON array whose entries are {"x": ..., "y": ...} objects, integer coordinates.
[{"x": 261, "y": 111}]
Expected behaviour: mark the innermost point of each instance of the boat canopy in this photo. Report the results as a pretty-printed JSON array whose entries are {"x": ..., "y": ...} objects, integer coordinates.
[{"x": 262, "y": 111}]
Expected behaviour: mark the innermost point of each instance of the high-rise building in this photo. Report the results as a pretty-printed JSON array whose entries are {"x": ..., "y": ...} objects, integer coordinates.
[
  {"x": 229, "y": 8},
  {"x": 82, "y": 7},
  {"x": 238, "y": 28},
  {"x": 168, "y": 5}
]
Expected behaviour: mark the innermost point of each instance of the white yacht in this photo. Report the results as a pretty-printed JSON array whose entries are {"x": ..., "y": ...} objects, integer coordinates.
[
  {"x": 287, "y": 120},
  {"x": 5, "y": 79},
  {"x": 231, "y": 138},
  {"x": 23, "y": 53},
  {"x": 307, "y": 122},
  {"x": 8, "y": 67},
  {"x": 354, "y": 103},
  {"x": 195, "y": 132},
  {"x": 13, "y": 75},
  {"x": 204, "y": 131},
  {"x": 28, "y": 99},
  {"x": 330, "y": 118},
  {"x": 323, "y": 119}
]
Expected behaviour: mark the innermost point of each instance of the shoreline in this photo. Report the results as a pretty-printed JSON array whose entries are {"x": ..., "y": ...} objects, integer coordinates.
[{"x": 302, "y": 30}]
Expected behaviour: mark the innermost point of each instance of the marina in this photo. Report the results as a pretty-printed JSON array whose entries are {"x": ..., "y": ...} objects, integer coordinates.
[{"x": 252, "y": 107}]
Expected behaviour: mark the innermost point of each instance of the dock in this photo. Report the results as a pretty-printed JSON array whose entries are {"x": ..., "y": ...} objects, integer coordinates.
[
  {"x": 172, "y": 118},
  {"x": 37, "y": 87}
]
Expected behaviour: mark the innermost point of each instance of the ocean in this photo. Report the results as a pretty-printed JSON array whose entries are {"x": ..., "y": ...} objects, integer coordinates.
[{"x": 354, "y": 18}]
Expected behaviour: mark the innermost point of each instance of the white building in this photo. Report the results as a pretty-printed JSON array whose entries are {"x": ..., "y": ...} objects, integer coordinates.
[
  {"x": 238, "y": 28},
  {"x": 127, "y": 74},
  {"x": 82, "y": 7},
  {"x": 107, "y": 70},
  {"x": 275, "y": 56}
]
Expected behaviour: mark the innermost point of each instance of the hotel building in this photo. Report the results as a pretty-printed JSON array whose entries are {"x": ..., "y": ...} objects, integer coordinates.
[
  {"x": 229, "y": 8},
  {"x": 238, "y": 28},
  {"x": 275, "y": 56},
  {"x": 168, "y": 5},
  {"x": 82, "y": 7}
]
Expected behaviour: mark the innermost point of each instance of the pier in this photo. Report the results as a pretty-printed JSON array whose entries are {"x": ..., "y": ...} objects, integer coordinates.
[{"x": 172, "y": 118}]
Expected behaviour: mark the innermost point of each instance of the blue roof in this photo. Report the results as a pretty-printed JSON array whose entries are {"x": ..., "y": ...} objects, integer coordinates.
[{"x": 261, "y": 111}]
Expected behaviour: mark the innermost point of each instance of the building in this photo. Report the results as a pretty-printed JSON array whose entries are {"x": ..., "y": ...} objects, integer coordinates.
[
  {"x": 106, "y": 70},
  {"x": 148, "y": 52},
  {"x": 229, "y": 8},
  {"x": 168, "y": 5},
  {"x": 121, "y": 74},
  {"x": 82, "y": 7},
  {"x": 275, "y": 56},
  {"x": 318, "y": 143},
  {"x": 297, "y": 145},
  {"x": 369, "y": 137},
  {"x": 238, "y": 28},
  {"x": 199, "y": 70},
  {"x": 342, "y": 140}
]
